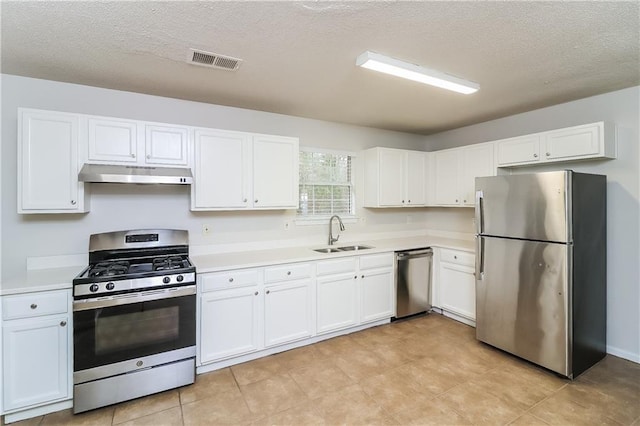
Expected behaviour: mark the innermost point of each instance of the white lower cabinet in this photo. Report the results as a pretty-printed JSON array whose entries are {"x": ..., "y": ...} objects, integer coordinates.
[
  {"x": 456, "y": 285},
  {"x": 354, "y": 291},
  {"x": 337, "y": 302},
  {"x": 36, "y": 352},
  {"x": 287, "y": 312},
  {"x": 230, "y": 323}
]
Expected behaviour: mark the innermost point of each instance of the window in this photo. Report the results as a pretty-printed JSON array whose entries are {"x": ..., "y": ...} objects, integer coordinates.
[{"x": 326, "y": 186}]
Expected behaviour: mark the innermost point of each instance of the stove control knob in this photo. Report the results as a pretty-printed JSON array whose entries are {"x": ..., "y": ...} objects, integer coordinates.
[
  {"x": 166, "y": 280},
  {"x": 179, "y": 278},
  {"x": 94, "y": 288},
  {"x": 111, "y": 286}
]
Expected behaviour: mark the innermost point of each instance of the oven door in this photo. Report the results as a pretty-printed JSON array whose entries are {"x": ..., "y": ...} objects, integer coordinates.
[{"x": 140, "y": 327}]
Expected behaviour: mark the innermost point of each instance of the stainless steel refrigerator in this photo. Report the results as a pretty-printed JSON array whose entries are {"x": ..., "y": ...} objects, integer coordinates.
[{"x": 541, "y": 267}]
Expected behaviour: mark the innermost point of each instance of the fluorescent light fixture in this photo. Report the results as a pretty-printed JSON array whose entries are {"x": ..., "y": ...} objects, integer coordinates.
[{"x": 387, "y": 65}]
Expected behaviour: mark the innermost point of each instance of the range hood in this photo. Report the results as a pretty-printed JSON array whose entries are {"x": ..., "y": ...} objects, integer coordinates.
[{"x": 135, "y": 174}]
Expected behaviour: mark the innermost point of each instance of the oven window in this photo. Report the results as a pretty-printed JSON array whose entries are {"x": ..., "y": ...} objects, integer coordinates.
[
  {"x": 137, "y": 329},
  {"x": 109, "y": 335}
]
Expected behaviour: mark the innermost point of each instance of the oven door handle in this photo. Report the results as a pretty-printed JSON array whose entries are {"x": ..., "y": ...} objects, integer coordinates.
[{"x": 130, "y": 298}]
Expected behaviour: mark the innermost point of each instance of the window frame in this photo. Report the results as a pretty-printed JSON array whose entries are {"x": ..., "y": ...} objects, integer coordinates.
[{"x": 323, "y": 219}]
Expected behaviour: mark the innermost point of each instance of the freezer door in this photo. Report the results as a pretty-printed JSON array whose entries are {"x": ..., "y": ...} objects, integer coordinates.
[
  {"x": 528, "y": 206},
  {"x": 522, "y": 300}
]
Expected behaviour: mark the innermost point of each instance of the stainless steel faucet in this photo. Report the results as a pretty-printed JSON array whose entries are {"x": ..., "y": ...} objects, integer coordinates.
[{"x": 331, "y": 239}]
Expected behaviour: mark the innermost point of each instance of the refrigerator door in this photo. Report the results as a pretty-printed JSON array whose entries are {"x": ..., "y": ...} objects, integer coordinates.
[
  {"x": 529, "y": 206},
  {"x": 522, "y": 300}
]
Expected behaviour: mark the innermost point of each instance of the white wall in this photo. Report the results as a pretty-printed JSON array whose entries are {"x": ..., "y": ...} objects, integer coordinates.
[
  {"x": 623, "y": 205},
  {"x": 118, "y": 207}
]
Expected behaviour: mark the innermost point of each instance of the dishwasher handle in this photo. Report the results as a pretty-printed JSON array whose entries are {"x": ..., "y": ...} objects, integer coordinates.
[{"x": 414, "y": 254}]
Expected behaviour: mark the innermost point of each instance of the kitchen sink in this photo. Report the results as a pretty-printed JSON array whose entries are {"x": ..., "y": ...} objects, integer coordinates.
[
  {"x": 327, "y": 250},
  {"x": 356, "y": 247}
]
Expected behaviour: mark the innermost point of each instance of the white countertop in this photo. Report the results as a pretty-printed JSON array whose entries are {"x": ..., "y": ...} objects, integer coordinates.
[
  {"x": 40, "y": 280},
  {"x": 61, "y": 278},
  {"x": 250, "y": 259}
]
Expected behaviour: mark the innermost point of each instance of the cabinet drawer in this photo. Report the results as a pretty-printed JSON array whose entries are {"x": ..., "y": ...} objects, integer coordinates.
[
  {"x": 459, "y": 257},
  {"x": 229, "y": 279},
  {"x": 35, "y": 304},
  {"x": 383, "y": 260},
  {"x": 288, "y": 272},
  {"x": 336, "y": 266}
]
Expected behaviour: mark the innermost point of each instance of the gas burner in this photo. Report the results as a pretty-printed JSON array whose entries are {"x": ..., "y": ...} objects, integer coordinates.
[
  {"x": 168, "y": 263},
  {"x": 107, "y": 269}
]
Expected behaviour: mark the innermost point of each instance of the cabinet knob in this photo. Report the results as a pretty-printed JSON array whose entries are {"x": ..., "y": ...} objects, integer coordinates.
[
  {"x": 362, "y": 276},
  {"x": 244, "y": 200},
  {"x": 464, "y": 201},
  {"x": 548, "y": 154},
  {"x": 535, "y": 155},
  {"x": 73, "y": 202},
  {"x": 456, "y": 200},
  {"x": 268, "y": 291},
  {"x": 148, "y": 156},
  {"x": 255, "y": 201},
  {"x": 231, "y": 279},
  {"x": 455, "y": 257},
  {"x": 355, "y": 277},
  {"x": 288, "y": 272},
  {"x": 133, "y": 156},
  {"x": 402, "y": 201},
  {"x": 34, "y": 306},
  {"x": 255, "y": 294},
  {"x": 63, "y": 323},
  {"x": 409, "y": 201}
]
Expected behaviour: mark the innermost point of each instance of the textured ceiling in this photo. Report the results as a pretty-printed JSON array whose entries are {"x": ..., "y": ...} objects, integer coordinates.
[{"x": 299, "y": 57}]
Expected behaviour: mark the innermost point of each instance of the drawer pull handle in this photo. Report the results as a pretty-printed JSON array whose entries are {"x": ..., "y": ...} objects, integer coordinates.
[
  {"x": 63, "y": 323},
  {"x": 231, "y": 279},
  {"x": 288, "y": 272},
  {"x": 34, "y": 306}
]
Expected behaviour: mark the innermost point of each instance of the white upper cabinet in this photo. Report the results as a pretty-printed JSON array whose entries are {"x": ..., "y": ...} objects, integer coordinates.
[
  {"x": 118, "y": 141},
  {"x": 395, "y": 178},
  {"x": 275, "y": 172},
  {"x": 166, "y": 145},
  {"x": 48, "y": 163},
  {"x": 589, "y": 141},
  {"x": 235, "y": 170},
  {"x": 455, "y": 172},
  {"x": 113, "y": 141},
  {"x": 222, "y": 170}
]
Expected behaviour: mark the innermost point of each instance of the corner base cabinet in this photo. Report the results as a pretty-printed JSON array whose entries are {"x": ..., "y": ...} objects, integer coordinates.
[{"x": 36, "y": 352}]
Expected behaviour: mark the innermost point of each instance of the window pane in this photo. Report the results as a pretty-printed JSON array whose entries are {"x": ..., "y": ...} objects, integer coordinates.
[{"x": 325, "y": 184}]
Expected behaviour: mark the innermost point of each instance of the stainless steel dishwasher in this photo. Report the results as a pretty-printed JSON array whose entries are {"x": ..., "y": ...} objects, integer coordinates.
[{"x": 413, "y": 281}]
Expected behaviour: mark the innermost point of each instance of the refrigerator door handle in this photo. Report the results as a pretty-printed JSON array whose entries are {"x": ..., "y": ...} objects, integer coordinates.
[
  {"x": 479, "y": 213},
  {"x": 479, "y": 258}
]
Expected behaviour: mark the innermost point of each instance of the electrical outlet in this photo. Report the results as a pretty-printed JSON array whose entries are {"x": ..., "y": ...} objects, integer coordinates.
[
  {"x": 287, "y": 225},
  {"x": 206, "y": 229}
]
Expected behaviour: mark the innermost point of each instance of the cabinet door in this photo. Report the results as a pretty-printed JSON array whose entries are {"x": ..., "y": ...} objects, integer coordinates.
[
  {"x": 48, "y": 163},
  {"x": 166, "y": 145},
  {"x": 377, "y": 294},
  {"x": 521, "y": 150},
  {"x": 477, "y": 161},
  {"x": 458, "y": 289},
  {"x": 36, "y": 361},
  {"x": 579, "y": 141},
  {"x": 112, "y": 141},
  {"x": 221, "y": 170},
  {"x": 337, "y": 303},
  {"x": 416, "y": 179},
  {"x": 229, "y": 323},
  {"x": 287, "y": 312},
  {"x": 447, "y": 177},
  {"x": 275, "y": 172},
  {"x": 391, "y": 170}
]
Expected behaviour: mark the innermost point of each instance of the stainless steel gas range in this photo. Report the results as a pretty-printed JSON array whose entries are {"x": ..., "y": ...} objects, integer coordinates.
[{"x": 134, "y": 314}]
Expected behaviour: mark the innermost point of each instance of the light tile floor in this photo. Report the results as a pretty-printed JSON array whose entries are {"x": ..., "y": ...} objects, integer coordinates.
[{"x": 426, "y": 370}]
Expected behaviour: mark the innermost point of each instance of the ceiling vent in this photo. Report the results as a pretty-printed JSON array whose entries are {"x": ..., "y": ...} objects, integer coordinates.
[{"x": 213, "y": 60}]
